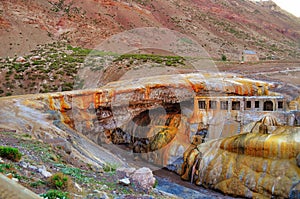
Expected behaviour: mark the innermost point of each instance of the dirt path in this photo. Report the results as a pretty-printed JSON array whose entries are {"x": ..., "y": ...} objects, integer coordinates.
[{"x": 285, "y": 74}]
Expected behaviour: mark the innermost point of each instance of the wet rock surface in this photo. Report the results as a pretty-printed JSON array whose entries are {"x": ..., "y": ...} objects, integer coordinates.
[{"x": 249, "y": 165}]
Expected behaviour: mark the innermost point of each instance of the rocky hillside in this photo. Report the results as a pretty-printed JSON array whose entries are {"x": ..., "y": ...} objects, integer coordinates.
[
  {"x": 52, "y": 170},
  {"x": 221, "y": 26}
]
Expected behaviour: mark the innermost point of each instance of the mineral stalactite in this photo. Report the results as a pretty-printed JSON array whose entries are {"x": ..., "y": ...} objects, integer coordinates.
[{"x": 253, "y": 164}]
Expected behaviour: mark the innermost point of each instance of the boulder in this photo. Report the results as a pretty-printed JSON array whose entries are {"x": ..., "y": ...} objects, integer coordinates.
[
  {"x": 23, "y": 164},
  {"x": 20, "y": 59},
  {"x": 77, "y": 186},
  {"x": 97, "y": 195},
  {"x": 42, "y": 170},
  {"x": 125, "y": 172},
  {"x": 143, "y": 178},
  {"x": 124, "y": 181},
  {"x": 34, "y": 58}
]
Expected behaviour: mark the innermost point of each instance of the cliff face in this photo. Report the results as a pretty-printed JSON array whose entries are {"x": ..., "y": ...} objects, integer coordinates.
[{"x": 222, "y": 27}]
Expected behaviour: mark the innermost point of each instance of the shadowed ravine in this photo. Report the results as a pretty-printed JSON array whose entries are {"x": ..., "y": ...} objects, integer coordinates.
[{"x": 155, "y": 122}]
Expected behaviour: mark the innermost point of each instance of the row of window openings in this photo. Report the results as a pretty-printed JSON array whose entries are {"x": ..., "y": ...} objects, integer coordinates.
[{"x": 268, "y": 105}]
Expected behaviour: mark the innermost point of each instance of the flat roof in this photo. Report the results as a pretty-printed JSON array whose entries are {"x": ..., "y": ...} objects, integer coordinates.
[
  {"x": 240, "y": 97},
  {"x": 249, "y": 52}
]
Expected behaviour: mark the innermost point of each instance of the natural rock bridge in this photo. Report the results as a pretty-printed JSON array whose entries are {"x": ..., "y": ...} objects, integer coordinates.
[{"x": 158, "y": 117}]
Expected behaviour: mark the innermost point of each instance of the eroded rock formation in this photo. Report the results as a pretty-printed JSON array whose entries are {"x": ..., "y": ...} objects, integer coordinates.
[
  {"x": 252, "y": 164},
  {"x": 156, "y": 117},
  {"x": 96, "y": 113}
]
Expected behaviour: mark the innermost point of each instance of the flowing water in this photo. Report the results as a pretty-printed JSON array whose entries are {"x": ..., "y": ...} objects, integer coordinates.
[{"x": 171, "y": 183}]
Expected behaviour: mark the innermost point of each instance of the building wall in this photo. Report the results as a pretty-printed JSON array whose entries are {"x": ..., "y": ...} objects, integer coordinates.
[{"x": 251, "y": 58}]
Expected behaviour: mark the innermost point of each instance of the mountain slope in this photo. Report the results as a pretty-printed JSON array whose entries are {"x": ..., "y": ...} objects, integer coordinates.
[{"x": 221, "y": 26}]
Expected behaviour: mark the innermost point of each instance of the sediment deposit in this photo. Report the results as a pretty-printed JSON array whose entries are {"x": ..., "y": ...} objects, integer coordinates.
[{"x": 252, "y": 164}]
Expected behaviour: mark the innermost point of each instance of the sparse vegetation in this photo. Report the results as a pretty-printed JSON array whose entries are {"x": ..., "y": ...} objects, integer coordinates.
[
  {"x": 167, "y": 60},
  {"x": 54, "y": 67},
  {"x": 4, "y": 167},
  {"x": 67, "y": 7},
  {"x": 55, "y": 194},
  {"x": 37, "y": 183},
  {"x": 108, "y": 167}
]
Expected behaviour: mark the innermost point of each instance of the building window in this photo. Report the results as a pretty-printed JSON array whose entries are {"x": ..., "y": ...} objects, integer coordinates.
[
  {"x": 256, "y": 104},
  {"x": 212, "y": 104},
  {"x": 224, "y": 105},
  {"x": 268, "y": 106},
  {"x": 280, "y": 104},
  {"x": 236, "y": 105},
  {"x": 248, "y": 104},
  {"x": 202, "y": 104}
]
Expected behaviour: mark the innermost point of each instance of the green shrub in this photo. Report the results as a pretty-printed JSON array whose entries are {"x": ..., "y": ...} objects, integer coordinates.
[
  {"x": 54, "y": 194},
  {"x": 60, "y": 181},
  {"x": 224, "y": 58},
  {"x": 10, "y": 153}
]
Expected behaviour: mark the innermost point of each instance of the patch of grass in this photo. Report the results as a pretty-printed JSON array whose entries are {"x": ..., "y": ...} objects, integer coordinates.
[
  {"x": 77, "y": 173},
  {"x": 37, "y": 183},
  {"x": 67, "y": 86},
  {"x": 168, "y": 60},
  {"x": 17, "y": 76},
  {"x": 55, "y": 194},
  {"x": 4, "y": 167},
  {"x": 39, "y": 62},
  {"x": 79, "y": 51},
  {"x": 10, "y": 153},
  {"x": 18, "y": 176},
  {"x": 108, "y": 167},
  {"x": 8, "y": 73}
]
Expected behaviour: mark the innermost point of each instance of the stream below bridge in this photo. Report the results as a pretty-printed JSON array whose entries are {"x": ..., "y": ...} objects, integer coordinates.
[{"x": 170, "y": 182}]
